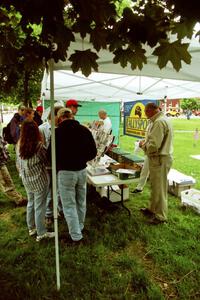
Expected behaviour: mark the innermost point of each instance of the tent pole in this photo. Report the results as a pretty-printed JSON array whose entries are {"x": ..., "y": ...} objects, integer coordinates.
[{"x": 54, "y": 184}]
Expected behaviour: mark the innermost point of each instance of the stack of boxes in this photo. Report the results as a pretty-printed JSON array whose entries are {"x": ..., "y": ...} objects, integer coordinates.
[{"x": 125, "y": 161}]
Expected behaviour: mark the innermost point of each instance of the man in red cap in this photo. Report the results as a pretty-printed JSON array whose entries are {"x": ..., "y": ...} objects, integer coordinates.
[
  {"x": 73, "y": 105},
  {"x": 38, "y": 115}
]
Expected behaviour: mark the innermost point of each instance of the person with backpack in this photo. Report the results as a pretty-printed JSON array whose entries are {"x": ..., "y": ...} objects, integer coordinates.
[
  {"x": 6, "y": 183},
  {"x": 16, "y": 122}
]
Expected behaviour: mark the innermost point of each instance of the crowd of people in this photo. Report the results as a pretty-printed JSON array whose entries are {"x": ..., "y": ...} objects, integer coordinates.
[
  {"x": 75, "y": 146},
  {"x": 32, "y": 142}
]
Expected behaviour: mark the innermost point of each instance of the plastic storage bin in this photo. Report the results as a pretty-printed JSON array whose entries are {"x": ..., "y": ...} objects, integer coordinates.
[{"x": 191, "y": 198}]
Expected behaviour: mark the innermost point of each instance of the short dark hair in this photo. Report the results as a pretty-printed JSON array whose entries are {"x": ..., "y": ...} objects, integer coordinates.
[{"x": 152, "y": 106}]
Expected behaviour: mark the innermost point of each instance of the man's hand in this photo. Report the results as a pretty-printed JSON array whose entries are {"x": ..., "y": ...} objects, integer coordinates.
[{"x": 141, "y": 143}]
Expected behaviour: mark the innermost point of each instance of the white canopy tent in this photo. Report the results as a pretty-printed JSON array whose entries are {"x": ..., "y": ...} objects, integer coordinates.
[
  {"x": 58, "y": 84},
  {"x": 114, "y": 83},
  {"x": 115, "y": 87}
]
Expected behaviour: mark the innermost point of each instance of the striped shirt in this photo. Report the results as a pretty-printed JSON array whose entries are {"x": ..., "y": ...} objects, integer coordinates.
[{"x": 33, "y": 170}]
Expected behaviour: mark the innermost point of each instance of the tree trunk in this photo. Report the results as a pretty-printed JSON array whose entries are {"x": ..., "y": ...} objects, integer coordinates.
[{"x": 27, "y": 101}]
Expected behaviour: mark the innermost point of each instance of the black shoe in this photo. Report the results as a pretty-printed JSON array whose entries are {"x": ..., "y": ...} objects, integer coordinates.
[
  {"x": 69, "y": 242},
  {"x": 61, "y": 215},
  {"x": 147, "y": 212},
  {"x": 22, "y": 202},
  {"x": 136, "y": 191},
  {"x": 49, "y": 221},
  {"x": 85, "y": 231},
  {"x": 156, "y": 221}
]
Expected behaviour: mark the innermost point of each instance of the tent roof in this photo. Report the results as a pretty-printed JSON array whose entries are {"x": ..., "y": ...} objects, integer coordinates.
[{"x": 125, "y": 84}]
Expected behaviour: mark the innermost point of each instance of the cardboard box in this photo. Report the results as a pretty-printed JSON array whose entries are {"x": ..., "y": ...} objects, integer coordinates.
[
  {"x": 117, "y": 154},
  {"x": 178, "y": 182},
  {"x": 125, "y": 166},
  {"x": 132, "y": 158},
  {"x": 176, "y": 189},
  {"x": 191, "y": 198}
]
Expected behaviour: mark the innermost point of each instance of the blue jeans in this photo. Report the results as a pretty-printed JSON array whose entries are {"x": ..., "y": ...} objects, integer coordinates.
[
  {"x": 49, "y": 203},
  {"x": 72, "y": 188},
  {"x": 36, "y": 207}
]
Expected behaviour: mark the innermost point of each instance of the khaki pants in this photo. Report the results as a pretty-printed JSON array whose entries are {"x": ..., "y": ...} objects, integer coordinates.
[
  {"x": 144, "y": 174},
  {"x": 7, "y": 186},
  {"x": 159, "y": 167}
]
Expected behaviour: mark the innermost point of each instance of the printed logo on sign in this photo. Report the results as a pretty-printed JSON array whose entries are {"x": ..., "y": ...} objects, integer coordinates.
[{"x": 135, "y": 120}]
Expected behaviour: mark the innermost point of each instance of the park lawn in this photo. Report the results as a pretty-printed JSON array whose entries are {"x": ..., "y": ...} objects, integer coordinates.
[
  {"x": 184, "y": 124},
  {"x": 183, "y": 147},
  {"x": 123, "y": 257}
]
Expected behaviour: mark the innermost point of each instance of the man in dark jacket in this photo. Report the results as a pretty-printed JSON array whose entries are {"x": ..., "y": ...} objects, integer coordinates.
[
  {"x": 75, "y": 146},
  {"x": 15, "y": 123},
  {"x": 38, "y": 115}
]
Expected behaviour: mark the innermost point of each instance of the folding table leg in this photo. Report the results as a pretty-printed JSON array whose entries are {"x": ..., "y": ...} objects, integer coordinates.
[{"x": 122, "y": 200}]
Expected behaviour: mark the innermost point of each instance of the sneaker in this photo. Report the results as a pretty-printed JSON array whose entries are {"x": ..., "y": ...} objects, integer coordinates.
[
  {"x": 67, "y": 240},
  {"x": 22, "y": 202},
  {"x": 46, "y": 235},
  {"x": 32, "y": 231},
  {"x": 136, "y": 191}
]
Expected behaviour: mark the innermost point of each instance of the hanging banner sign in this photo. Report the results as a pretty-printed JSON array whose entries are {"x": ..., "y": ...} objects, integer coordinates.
[{"x": 135, "y": 120}]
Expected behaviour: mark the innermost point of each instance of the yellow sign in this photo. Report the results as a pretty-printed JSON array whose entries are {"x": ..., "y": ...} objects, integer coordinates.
[{"x": 135, "y": 120}]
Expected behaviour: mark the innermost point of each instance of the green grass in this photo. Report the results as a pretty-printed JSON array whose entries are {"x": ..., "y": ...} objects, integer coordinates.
[
  {"x": 183, "y": 147},
  {"x": 184, "y": 124},
  {"x": 123, "y": 258}
]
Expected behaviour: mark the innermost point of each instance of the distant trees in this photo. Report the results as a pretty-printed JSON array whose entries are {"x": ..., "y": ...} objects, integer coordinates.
[{"x": 191, "y": 104}]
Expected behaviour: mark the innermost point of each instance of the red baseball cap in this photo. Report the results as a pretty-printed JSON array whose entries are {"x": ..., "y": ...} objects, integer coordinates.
[
  {"x": 39, "y": 108},
  {"x": 72, "y": 102}
]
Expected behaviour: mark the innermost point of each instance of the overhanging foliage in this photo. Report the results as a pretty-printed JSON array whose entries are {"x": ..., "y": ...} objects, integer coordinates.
[{"x": 23, "y": 48}]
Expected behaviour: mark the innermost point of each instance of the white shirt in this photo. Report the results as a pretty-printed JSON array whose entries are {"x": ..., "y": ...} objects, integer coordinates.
[
  {"x": 45, "y": 130},
  {"x": 107, "y": 125}
]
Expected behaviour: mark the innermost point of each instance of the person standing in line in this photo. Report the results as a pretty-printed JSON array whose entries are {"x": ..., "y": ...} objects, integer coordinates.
[
  {"x": 105, "y": 121},
  {"x": 45, "y": 128},
  {"x": 32, "y": 162},
  {"x": 29, "y": 114},
  {"x": 38, "y": 115},
  {"x": 73, "y": 105},
  {"x": 75, "y": 146},
  {"x": 159, "y": 149},
  {"x": 16, "y": 122},
  {"x": 6, "y": 183},
  {"x": 45, "y": 131}
]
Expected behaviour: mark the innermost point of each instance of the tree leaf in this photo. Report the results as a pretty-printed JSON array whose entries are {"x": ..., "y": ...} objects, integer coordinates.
[
  {"x": 98, "y": 38},
  {"x": 84, "y": 61},
  {"x": 174, "y": 52},
  {"x": 82, "y": 26},
  {"x": 184, "y": 29},
  {"x": 122, "y": 57},
  {"x": 135, "y": 57},
  {"x": 138, "y": 58}
]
